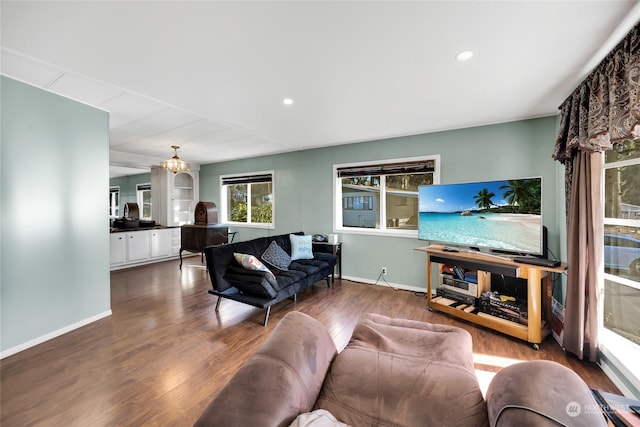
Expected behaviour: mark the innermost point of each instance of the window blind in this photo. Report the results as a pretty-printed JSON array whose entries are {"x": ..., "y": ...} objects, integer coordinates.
[
  {"x": 247, "y": 179},
  {"x": 388, "y": 169}
]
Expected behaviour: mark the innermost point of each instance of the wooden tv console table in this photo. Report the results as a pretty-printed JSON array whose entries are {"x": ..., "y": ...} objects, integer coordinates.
[{"x": 538, "y": 279}]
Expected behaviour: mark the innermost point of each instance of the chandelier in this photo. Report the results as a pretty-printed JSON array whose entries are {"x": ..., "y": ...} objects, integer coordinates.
[{"x": 174, "y": 164}]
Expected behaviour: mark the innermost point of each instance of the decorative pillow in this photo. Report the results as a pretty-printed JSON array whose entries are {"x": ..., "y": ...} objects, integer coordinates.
[
  {"x": 276, "y": 257},
  {"x": 300, "y": 247},
  {"x": 317, "y": 418},
  {"x": 252, "y": 263}
]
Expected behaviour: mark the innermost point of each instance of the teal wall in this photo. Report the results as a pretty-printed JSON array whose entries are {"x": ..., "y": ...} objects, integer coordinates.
[
  {"x": 304, "y": 187},
  {"x": 54, "y": 248},
  {"x": 127, "y": 186}
]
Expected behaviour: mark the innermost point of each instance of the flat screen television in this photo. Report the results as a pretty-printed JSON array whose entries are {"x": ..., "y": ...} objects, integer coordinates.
[{"x": 502, "y": 216}]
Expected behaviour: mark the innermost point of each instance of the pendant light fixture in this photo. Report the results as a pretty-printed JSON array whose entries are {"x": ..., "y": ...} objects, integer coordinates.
[{"x": 174, "y": 164}]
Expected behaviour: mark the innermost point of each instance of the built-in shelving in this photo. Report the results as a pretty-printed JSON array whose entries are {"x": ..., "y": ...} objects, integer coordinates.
[{"x": 174, "y": 196}]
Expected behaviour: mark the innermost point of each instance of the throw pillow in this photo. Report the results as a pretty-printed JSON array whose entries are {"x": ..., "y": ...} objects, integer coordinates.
[
  {"x": 317, "y": 418},
  {"x": 301, "y": 247},
  {"x": 252, "y": 263},
  {"x": 276, "y": 257}
]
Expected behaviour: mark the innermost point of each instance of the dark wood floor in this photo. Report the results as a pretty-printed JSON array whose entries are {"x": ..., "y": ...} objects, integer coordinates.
[{"x": 165, "y": 352}]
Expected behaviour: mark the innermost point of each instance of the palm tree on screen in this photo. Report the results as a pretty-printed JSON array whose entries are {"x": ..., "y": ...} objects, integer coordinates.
[
  {"x": 483, "y": 199},
  {"x": 520, "y": 194}
]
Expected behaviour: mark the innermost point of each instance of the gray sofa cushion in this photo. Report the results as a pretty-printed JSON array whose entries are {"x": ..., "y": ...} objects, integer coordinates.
[
  {"x": 289, "y": 277},
  {"x": 252, "y": 282},
  {"x": 308, "y": 266}
]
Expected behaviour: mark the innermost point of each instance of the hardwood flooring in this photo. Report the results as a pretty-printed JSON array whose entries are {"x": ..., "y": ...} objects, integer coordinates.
[{"x": 164, "y": 353}]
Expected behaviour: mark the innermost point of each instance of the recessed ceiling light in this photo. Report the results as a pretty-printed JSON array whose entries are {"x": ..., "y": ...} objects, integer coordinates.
[
  {"x": 287, "y": 101},
  {"x": 463, "y": 56}
]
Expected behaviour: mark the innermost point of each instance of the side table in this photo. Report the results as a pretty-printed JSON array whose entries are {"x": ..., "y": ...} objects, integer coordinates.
[{"x": 331, "y": 248}]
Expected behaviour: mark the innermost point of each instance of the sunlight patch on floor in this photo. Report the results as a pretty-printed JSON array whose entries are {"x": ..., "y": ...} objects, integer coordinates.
[{"x": 486, "y": 366}]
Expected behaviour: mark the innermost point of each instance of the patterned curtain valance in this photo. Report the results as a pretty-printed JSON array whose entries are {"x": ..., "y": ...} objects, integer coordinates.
[{"x": 605, "y": 108}]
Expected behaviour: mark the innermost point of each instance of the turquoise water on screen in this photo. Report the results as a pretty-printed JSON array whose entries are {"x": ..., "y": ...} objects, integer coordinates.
[{"x": 518, "y": 233}]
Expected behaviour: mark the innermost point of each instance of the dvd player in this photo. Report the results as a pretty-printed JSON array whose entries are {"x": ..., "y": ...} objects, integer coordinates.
[{"x": 536, "y": 261}]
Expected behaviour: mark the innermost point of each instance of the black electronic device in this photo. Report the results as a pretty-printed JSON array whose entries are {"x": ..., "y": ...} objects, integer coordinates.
[
  {"x": 472, "y": 264},
  {"x": 319, "y": 238},
  {"x": 456, "y": 296},
  {"x": 507, "y": 285},
  {"x": 504, "y": 307},
  {"x": 537, "y": 261}
]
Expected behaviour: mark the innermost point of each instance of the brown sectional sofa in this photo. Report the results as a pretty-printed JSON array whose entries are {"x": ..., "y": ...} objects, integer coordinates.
[{"x": 393, "y": 372}]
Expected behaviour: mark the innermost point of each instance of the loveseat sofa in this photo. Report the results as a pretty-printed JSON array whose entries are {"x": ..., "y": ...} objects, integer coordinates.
[
  {"x": 264, "y": 271},
  {"x": 393, "y": 372}
]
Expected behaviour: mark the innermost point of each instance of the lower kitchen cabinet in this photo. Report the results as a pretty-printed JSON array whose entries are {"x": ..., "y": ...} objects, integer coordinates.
[{"x": 136, "y": 247}]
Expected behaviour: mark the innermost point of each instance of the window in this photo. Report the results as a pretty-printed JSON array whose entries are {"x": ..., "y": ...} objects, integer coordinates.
[
  {"x": 143, "y": 196},
  {"x": 620, "y": 336},
  {"x": 382, "y": 197},
  {"x": 248, "y": 199},
  {"x": 114, "y": 202},
  {"x": 358, "y": 203}
]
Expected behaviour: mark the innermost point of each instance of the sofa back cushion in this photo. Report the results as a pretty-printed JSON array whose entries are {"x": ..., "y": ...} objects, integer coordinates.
[
  {"x": 404, "y": 373},
  {"x": 281, "y": 380}
]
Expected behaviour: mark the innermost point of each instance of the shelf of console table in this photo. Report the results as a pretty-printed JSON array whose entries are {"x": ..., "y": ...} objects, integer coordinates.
[{"x": 538, "y": 280}]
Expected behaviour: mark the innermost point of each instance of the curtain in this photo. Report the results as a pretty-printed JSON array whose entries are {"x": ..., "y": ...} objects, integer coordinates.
[
  {"x": 603, "y": 110},
  {"x": 584, "y": 257}
]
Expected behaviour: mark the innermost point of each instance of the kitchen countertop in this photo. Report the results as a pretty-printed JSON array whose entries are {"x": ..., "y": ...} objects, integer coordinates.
[{"x": 125, "y": 230}]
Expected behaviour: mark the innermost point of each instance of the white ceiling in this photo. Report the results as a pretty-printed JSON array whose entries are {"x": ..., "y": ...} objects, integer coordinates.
[{"x": 210, "y": 76}]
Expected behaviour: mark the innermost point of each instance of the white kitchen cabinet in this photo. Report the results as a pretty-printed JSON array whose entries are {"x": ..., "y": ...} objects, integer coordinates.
[
  {"x": 160, "y": 241},
  {"x": 137, "y": 245},
  {"x": 117, "y": 248}
]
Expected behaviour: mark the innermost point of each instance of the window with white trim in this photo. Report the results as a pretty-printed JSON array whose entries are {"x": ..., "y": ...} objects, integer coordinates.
[
  {"x": 248, "y": 199},
  {"x": 620, "y": 322},
  {"x": 382, "y": 197},
  {"x": 143, "y": 196},
  {"x": 114, "y": 201}
]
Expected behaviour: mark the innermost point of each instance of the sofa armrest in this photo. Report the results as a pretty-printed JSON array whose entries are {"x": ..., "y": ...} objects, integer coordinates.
[
  {"x": 280, "y": 381},
  {"x": 541, "y": 393}
]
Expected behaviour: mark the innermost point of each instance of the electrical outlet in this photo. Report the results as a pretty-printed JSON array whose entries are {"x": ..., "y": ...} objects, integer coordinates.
[{"x": 384, "y": 271}]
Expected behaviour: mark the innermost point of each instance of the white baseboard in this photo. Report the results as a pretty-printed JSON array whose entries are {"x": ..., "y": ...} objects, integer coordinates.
[
  {"x": 386, "y": 284},
  {"x": 114, "y": 267},
  {"x": 53, "y": 334}
]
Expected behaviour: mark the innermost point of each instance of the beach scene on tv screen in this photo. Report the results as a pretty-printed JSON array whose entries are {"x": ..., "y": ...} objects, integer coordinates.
[{"x": 503, "y": 215}]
